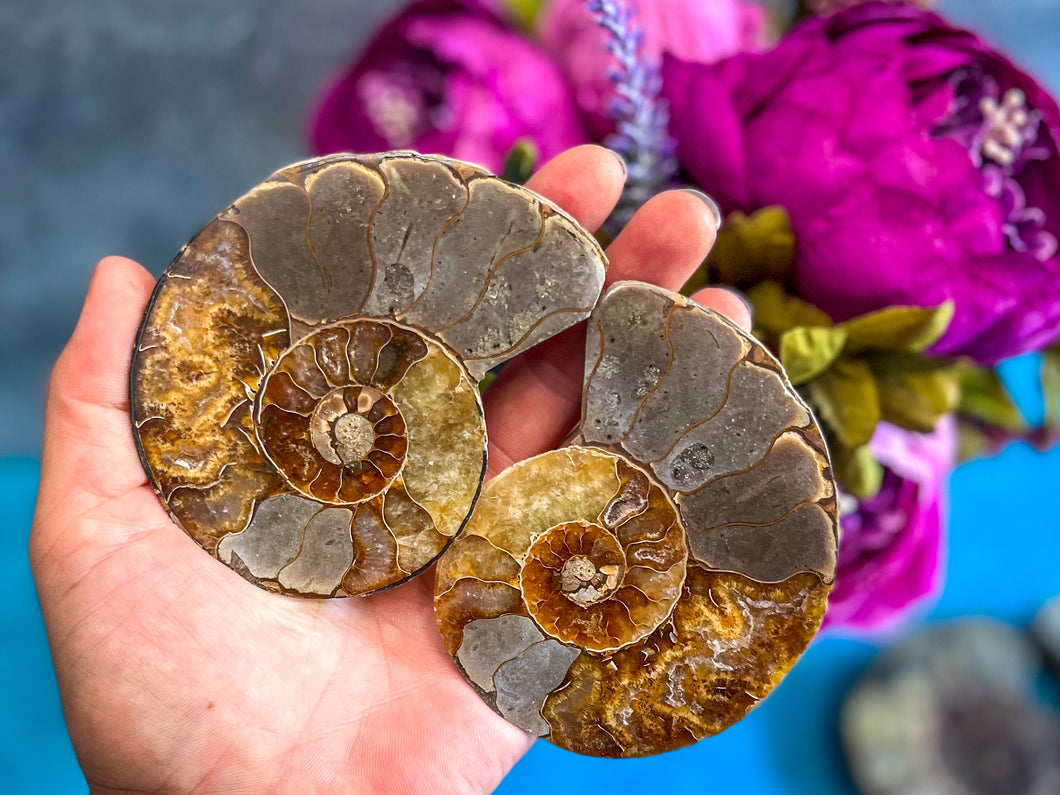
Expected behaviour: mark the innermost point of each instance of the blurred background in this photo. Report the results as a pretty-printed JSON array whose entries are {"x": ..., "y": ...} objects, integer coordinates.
[{"x": 125, "y": 125}]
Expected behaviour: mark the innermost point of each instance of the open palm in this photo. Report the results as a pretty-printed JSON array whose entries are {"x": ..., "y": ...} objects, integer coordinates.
[{"x": 178, "y": 676}]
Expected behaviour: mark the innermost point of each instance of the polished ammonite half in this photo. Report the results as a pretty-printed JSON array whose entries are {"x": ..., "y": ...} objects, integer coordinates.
[
  {"x": 305, "y": 384},
  {"x": 646, "y": 586}
]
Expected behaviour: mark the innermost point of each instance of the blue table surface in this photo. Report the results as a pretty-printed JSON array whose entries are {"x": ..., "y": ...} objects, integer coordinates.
[{"x": 1003, "y": 554}]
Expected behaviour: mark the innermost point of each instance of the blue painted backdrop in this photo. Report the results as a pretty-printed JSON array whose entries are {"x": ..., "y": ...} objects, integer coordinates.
[{"x": 123, "y": 126}]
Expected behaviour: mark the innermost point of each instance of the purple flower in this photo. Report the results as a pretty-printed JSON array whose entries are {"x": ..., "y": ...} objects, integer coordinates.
[
  {"x": 693, "y": 30},
  {"x": 917, "y": 165},
  {"x": 449, "y": 77},
  {"x": 890, "y": 548}
]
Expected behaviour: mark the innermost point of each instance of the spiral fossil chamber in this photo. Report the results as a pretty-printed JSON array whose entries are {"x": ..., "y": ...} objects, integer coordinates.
[
  {"x": 646, "y": 586},
  {"x": 305, "y": 383}
]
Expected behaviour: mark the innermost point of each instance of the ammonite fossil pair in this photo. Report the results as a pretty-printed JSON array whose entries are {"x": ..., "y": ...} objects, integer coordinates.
[{"x": 305, "y": 401}]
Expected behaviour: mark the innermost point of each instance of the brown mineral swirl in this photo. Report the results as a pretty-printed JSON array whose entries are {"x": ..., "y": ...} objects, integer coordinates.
[
  {"x": 304, "y": 387},
  {"x": 645, "y": 587}
]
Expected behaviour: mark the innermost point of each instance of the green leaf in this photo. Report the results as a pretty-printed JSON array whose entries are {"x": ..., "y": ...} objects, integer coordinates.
[
  {"x": 972, "y": 441},
  {"x": 526, "y": 12},
  {"x": 1050, "y": 378},
  {"x": 847, "y": 400},
  {"x": 776, "y": 312},
  {"x": 857, "y": 471},
  {"x": 520, "y": 162},
  {"x": 484, "y": 384},
  {"x": 898, "y": 328},
  {"x": 916, "y": 391},
  {"x": 749, "y": 250},
  {"x": 808, "y": 352},
  {"x": 983, "y": 396}
]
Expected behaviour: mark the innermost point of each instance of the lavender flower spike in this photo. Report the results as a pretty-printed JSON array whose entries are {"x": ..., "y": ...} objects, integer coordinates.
[{"x": 641, "y": 116}]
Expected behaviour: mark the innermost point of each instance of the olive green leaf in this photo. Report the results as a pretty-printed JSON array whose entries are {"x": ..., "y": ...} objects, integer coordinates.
[
  {"x": 526, "y": 12},
  {"x": 1050, "y": 378},
  {"x": 749, "y": 250},
  {"x": 847, "y": 400},
  {"x": 898, "y": 328},
  {"x": 776, "y": 312},
  {"x": 520, "y": 161},
  {"x": 915, "y": 391},
  {"x": 973, "y": 441},
  {"x": 983, "y": 397},
  {"x": 857, "y": 471},
  {"x": 808, "y": 352}
]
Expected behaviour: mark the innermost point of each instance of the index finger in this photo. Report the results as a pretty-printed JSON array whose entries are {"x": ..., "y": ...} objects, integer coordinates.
[{"x": 585, "y": 181}]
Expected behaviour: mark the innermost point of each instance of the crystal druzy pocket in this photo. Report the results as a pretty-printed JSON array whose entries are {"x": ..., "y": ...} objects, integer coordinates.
[
  {"x": 305, "y": 383},
  {"x": 648, "y": 585}
]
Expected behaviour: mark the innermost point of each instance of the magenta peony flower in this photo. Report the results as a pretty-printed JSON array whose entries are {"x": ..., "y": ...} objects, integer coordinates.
[
  {"x": 449, "y": 77},
  {"x": 692, "y": 30},
  {"x": 890, "y": 549},
  {"x": 917, "y": 165}
]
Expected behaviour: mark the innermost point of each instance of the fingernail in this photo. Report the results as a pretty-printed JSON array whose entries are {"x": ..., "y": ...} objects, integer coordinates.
[
  {"x": 713, "y": 205},
  {"x": 742, "y": 296},
  {"x": 622, "y": 163}
]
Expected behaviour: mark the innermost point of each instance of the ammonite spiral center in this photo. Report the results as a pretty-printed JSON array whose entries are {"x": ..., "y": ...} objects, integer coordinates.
[
  {"x": 610, "y": 577},
  {"x": 340, "y": 427},
  {"x": 332, "y": 437},
  {"x": 593, "y": 574}
]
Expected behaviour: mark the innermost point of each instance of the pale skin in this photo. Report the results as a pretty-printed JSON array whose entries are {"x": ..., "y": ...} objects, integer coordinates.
[{"x": 177, "y": 676}]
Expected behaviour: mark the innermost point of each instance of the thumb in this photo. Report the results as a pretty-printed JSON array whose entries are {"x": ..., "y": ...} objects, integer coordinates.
[
  {"x": 88, "y": 446},
  {"x": 93, "y": 497},
  {"x": 94, "y": 366}
]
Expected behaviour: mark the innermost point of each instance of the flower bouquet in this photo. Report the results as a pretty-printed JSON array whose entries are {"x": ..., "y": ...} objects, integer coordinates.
[{"x": 890, "y": 188}]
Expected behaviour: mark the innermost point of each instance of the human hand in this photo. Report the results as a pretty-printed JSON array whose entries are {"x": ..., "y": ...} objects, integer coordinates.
[{"x": 178, "y": 676}]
